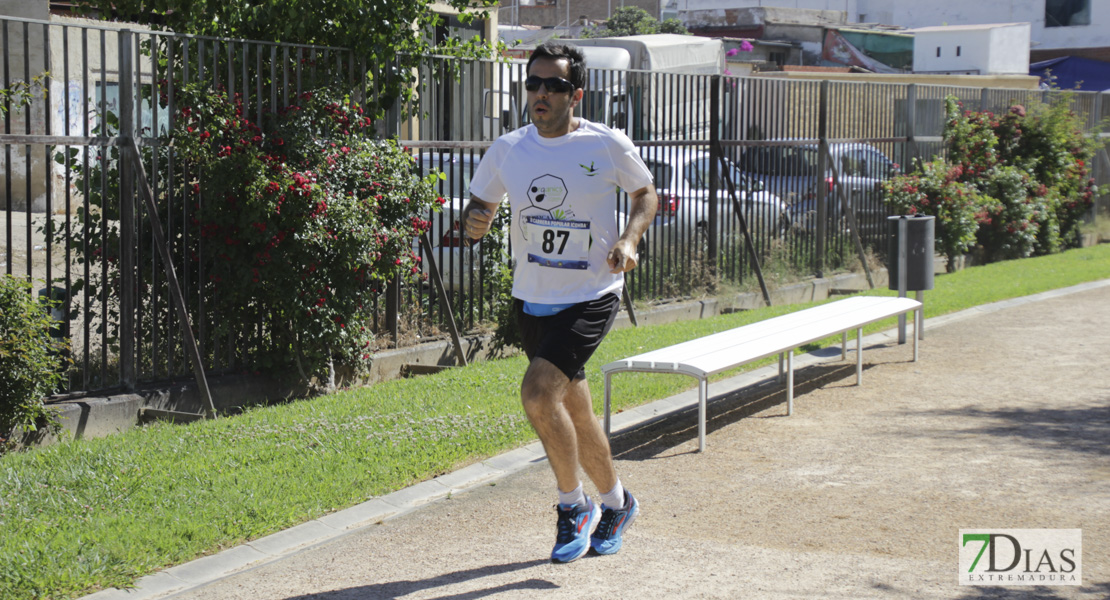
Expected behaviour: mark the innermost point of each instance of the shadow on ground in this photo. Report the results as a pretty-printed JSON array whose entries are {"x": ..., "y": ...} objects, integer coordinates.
[
  {"x": 1082, "y": 429},
  {"x": 1098, "y": 590},
  {"x": 661, "y": 435},
  {"x": 398, "y": 589}
]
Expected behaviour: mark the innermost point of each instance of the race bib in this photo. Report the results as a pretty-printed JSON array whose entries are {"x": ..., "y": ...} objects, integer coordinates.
[{"x": 558, "y": 243}]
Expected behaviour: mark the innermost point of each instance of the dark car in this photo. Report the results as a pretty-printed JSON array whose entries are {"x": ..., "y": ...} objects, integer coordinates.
[{"x": 791, "y": 172}]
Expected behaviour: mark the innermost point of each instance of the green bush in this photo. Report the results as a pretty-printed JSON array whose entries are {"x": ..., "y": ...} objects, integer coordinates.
[
  {"x": 937, "y": 190},
  {"x": 1026, "y": 173},
  {"x": 29, "y": 360},
  {"x": 1045, "y": 144},
  {"x": 293, "y": 226},
  {"x": 1010, "y": 228},
  {"x": 306, "y": 218}
]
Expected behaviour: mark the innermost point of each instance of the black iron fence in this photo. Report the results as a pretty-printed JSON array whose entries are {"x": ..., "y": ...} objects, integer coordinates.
[{"x": 749, "y": 171}]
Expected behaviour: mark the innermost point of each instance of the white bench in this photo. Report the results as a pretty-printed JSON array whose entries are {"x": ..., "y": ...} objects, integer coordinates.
[{"x": 706, "y": 356}]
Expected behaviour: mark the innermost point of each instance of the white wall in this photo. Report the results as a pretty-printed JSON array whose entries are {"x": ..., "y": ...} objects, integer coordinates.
[
  {"x": 25, "y": 9},
  {"x": 928, "y": 13},
  {"x": 1010, "y": 50},
  {"x": 1002, "y": 50},
  {"x": 959, "y": 51}
]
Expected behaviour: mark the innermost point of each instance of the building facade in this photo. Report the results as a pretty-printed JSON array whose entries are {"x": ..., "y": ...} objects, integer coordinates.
[
  {"x": 566, "y": 13},
  {"x": 1057, "y": 27}
]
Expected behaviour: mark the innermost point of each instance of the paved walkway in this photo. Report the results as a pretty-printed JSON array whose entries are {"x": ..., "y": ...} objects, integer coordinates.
[{"x": 1003, "y": 423}]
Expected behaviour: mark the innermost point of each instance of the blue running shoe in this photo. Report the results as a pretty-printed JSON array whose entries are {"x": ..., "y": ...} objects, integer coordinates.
[
  {"x": 574, "y": 526},
  {"x": 608, "y": 536}
]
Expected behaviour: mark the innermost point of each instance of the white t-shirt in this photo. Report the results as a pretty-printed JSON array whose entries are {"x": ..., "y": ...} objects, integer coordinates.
[{"x": 562, "y": 192}]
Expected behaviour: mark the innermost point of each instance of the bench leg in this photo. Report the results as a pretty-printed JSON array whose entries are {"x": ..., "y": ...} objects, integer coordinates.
[
  {"x": 703, "y": 397},
  {"x": 859, "y": 356},
  {"x": 780, "y": 367},
  {"x": 608, "y": 394},
  {"x": 918, "y": 333},
  {"x": 919, "y": 323},
  {"x": 790, "y": 383},
  {"x": 844, "y": 345}
]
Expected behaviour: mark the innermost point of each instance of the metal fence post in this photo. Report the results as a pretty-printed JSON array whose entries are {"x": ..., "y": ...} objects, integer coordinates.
[
  {"x": 393, "y": 308},
  {"x": 911, "y": 128},
  {"x": 822, "y": 167},
  {"x": 715, "y": 153},
  {"x": 127, "y": 237}
]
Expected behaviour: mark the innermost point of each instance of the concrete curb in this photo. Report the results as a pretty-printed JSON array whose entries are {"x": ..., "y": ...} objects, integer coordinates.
[{"x": 278, "y": 546}]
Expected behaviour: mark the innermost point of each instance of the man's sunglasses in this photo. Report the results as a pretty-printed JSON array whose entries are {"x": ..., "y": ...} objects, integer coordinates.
[{"x": 555, "y": 85}]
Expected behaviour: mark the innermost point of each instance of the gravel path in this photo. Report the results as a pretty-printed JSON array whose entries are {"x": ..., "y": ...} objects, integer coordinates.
[{"x": 1004, "y": 423}]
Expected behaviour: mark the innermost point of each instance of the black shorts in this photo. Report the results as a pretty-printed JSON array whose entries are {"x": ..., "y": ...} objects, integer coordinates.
[{"x": 568, "y": 338}]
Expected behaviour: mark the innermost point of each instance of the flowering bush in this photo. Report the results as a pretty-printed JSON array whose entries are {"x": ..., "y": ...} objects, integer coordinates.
[
  {"x": 304, "y": 219},
  {"x": 1009, "y": 228},
  {"x": 938, "y": 190},
  {"x": 293, "y": 225},
  {"x": 1045, "y": 142},
  {"x": 1025, "y": 173}
]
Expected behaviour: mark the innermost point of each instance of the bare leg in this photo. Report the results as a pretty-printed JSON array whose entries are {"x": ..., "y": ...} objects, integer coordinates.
[
  {"x": 593, "y": 446},
  {"x": 542, "y": 393},
  {"x": 561, "y": 411}
]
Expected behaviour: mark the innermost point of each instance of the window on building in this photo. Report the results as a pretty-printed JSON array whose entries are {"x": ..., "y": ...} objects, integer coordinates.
[
  {"x": 1067, "y": 13},
  {"x": 957, "y": 50},
  {"x": 938, "y": 51}
]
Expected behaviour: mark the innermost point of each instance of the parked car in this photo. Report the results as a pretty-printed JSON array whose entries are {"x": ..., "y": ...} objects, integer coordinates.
[
  {"x": 454, "y": 258},
  {"x": 792, "y": 172},
  {"x": 682, "y": 181}
]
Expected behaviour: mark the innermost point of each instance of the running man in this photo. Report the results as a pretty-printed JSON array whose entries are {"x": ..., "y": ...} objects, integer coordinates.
[{"x": 561, "y": 174}]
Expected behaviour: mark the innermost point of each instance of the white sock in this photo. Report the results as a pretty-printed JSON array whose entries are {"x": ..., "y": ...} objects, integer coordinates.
[
  {"x": 573, "y": 497},
  {"x": 614, "y": 498}
]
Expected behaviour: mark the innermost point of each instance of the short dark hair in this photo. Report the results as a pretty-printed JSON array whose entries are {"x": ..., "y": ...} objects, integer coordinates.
[{"x": 573, "y": 55}]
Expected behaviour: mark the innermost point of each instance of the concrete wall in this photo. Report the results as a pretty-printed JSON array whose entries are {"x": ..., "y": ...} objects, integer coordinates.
[
  {"x": 24, "y": 66},
  {"x": 1009, "y": 49},
  {"x": 75, "y": 81},
  {"x": 986, "y": 50},
  {"x": 25, "y": 9},
  {"x": 951, "y": 51}
]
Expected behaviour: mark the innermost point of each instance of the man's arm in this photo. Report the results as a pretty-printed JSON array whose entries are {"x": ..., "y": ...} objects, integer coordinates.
[
  {"x": 477, "y": 218},
  {"x": 622, "y": 257}
]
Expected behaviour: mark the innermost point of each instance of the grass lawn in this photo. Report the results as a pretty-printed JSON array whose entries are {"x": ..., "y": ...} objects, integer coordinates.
[{"x": 98, "y": 513}]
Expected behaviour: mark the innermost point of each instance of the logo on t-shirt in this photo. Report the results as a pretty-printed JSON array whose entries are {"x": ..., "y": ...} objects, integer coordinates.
[{"x": 547, "y": 192}]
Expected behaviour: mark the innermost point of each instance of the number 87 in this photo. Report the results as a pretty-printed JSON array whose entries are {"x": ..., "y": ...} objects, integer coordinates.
[{"x": 549, "y": 240}]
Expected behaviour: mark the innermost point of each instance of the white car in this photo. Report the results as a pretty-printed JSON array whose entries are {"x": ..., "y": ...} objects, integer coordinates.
[
  {"x": 456, "y": 260},
  {"x": 682, "y": 178}
]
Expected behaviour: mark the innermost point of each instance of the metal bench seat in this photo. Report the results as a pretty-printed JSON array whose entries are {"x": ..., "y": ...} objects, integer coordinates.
[{"x": 702, "y": 357}]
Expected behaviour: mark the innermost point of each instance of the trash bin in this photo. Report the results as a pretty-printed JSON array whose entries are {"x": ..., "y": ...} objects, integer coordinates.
[
  {"x": 919, "y": 251},
  {"x": 60, "y": 297}
]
